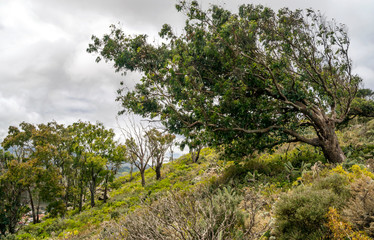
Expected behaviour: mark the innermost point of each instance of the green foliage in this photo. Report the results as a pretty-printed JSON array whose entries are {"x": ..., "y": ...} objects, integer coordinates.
[
  {"x": 301, "y": 214},
  {"x": 159, "y": 144},
  {"x": 95, "y": 155},
  {"x": 280, "y": 166},
  {"x": 54, "y": 165},
  {"x": 197, "y": 214},
  {"x": 200, "y": 196},
  {"x": 129, "y": 196},
  {"x": 248, "y": 80},
  {"x": 363, "y": 104},
  {"x": 12, "y": 205},
  {"x": 56, "y": 209}
]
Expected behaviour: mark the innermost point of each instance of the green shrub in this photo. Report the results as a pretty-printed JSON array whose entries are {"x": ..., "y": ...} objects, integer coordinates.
[
  {"x": 276, "y": 167},
  {"x": 337, "y": 183},
  {"x": 24, "y": 236},
  {"x": 56, "y": 208},
  {"x": 234, "y": 172},
  {"x": 301, "y": 214},
  {"x": 198, "y": 214},
  {"x": 114, "y": 215}
]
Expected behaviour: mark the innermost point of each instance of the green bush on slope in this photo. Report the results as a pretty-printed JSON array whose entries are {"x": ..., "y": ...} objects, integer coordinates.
[
  {"x": 301, "y": 214},
  {"x": 195, "y": 214}
]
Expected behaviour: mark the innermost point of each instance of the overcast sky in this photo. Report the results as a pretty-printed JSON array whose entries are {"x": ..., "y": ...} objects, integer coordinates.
[{"x": 46, "y": 74}]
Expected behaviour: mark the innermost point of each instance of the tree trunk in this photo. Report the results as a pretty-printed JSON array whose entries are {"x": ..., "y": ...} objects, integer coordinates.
[
  {"x": 37, "y": 214},
  {"x": 158, "y": 171},
  {"x": 12, "y": 227},
  {"x": 92, "y": 190},
  {"x": 143, "y": 177},
  {"x": 67, "y": 193},
  {"x": 131, "y": 170},
  {"x": 32, "y": 206},
  {"x": 105, "y": 194},
  {"x": 195, "y": 154},
  {"x": 81, "y": 199},
  {"x": 332, "y": 150},
  {"x": 105, "y": 197},
  {"x": 330, "y": 144},
  {"x": 3, "y": 229}
]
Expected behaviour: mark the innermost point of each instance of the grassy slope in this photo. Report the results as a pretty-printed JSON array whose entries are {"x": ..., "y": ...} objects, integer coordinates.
[
  {"x": 266, "y": 173},
  {"x": 127, "y": 196}
]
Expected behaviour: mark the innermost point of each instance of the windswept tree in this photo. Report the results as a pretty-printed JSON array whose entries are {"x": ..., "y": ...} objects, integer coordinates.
[
  {"x": 195, "y": 143},
  {"x": 248, "y": 80}
]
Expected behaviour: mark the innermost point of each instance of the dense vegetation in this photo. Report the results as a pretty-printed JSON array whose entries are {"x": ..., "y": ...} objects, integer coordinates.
[
  {"x": 292, "y": 193},
  {"x": 61, "y": 167},
  {"x": 290, "y": 136}
]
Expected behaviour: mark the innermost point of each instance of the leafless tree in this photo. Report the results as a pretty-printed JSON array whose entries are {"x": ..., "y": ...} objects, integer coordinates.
[{"x": 138, "y": 146}]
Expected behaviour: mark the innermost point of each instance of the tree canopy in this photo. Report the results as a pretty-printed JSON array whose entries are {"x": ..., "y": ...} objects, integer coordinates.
[
  {"x": 247, "y": 80},
  {"x": 55, "y": 165}
]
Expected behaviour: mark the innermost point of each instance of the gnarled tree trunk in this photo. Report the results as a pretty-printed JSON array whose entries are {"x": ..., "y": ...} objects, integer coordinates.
[{"x": 330, "y": 145}]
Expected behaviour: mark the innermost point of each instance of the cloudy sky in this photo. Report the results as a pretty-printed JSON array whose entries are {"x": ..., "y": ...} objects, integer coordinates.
[{"x": 46, "y": 74}]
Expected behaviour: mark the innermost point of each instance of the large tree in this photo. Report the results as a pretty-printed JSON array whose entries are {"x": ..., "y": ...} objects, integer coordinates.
[{"x": 248, "y": 80}]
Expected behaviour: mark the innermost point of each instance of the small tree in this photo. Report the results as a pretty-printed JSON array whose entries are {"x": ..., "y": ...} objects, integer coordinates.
[
  {"x": 195, "y": 143},
  {"x": 117, "y": 157},
  {"x": 159, "y": 144},
  {"x": 12, "y": 203},
  {"x": 139, "y": 150}
]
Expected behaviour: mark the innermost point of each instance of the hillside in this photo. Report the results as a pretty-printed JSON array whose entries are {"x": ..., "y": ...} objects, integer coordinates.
[{"x": 291, "y": 193}]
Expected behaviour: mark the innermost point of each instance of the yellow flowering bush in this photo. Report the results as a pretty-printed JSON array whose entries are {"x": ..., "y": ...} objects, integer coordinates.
[
  {"x": 341, "y": 230},
  {"x": 355, "y": 172}
]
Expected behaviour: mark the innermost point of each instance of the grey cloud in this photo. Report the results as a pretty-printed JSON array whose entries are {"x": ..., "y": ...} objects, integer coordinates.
[
  {"x": 137, "y": 15},
  {"x": 46, "y": 74}
]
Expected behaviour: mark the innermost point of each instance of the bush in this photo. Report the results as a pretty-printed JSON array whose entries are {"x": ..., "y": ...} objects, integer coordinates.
[
  {"x": 355, "y": 172},
  {"x": 189, "y": 216},
  {"x": 197, "y": 214},
  {"x": 56, "y": 209},
  {"x": 341, "y": 230},
  {"x": 337, "y": 183},
  {"x": 360, "y": 209},
  {"x": 301, "y": 214}
]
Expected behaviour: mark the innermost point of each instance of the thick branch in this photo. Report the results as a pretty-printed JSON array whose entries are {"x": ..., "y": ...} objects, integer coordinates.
[
  {"x": 314, "y": 141},
  {"x": 264, "y": 130}
]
